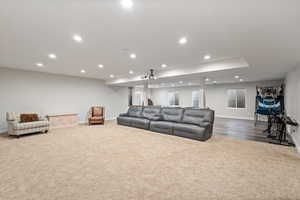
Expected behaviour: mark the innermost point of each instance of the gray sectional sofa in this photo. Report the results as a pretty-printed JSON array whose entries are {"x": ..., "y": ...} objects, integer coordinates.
[{"x": 185, "y": 122}]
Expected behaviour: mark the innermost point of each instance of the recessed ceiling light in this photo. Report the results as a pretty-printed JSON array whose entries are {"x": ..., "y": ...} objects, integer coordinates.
[
  {"x": 77, "y": 38},
  {"x": 133, "y": 56},
  {"x": 207, "y": 57},
  {"x": 127, "y": 4},
  {"x": 100, "y": 66},
  {"x": 39, "y": 64},
  {"x": 130, "y": 72},
  {"x": 82, "y": 71},
  {"x": 236, "y": 77},
  {"x": 182, "y": 40},
  {"x": 163, "y": 65},
  {"x": 111, "y": 76},
  {"x": 215, "y": 82},
  {"x": 52, "y": 56},
  {"x": 207, "y": 79},
  {"x": 180, "y": 82},
  {"x": 241, "y": 80}
]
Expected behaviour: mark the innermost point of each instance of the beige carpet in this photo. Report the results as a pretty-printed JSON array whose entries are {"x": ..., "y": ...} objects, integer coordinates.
[{"x": 115, "y": 162}]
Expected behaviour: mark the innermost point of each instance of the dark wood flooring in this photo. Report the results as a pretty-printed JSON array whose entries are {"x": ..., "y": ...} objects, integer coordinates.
[{"x": 241, "y": 129}]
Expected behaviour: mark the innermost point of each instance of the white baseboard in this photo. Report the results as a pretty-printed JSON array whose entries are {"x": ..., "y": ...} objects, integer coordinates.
[
  {"x": 296, "y": 143},
  {"x": 235, "y": 117},
  {"x": 106, "y": 119},
  {"x": 112, "y": 118},
  {"x": 297, "y": 146},
  {"x": 3, "y": 130}
]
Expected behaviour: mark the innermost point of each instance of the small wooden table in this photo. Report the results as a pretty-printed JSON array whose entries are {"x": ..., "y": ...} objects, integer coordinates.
[{"x": 63, "y": 120}]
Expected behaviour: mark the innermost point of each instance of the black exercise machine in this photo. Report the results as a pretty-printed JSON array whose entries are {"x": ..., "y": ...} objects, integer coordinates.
[{"x": 278, "y": 134}]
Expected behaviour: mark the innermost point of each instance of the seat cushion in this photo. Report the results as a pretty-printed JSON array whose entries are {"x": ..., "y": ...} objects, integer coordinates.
[
  {"x": 151, "y": 112},
  {"x": 189, "y": 131},
  {"x": 29, "y": 125},
  {"x": 188, "y": 128},
  {"x": 162, "y": 126},
  {"x": 172, "y": 114},
  {"x": 201, "y": 117},
  {"x": 96, "y": 118},
  {"x": 140, "y": 123},
  {"x": 135, "y": 111}
]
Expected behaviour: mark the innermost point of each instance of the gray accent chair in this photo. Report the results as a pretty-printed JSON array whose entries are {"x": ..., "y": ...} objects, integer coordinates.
[{"x": 184, "y": 122}]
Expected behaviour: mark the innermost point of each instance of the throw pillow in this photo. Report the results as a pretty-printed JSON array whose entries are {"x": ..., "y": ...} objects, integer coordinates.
[{"x": 28, "y": 118}]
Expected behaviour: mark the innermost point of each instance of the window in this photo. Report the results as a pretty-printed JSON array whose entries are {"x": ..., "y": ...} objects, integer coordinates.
[
  {"x": 173, "y": 98},
  {"x": 236, "y": 98},
  {"x": 196, "y": 98},
  {"x": 138, "y": 98}
]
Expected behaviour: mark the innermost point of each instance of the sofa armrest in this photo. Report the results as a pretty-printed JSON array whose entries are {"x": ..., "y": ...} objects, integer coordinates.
[
  {"x": 43, "y": 118},
  {"x": 208, "y": 130},
  {"x": 11, "y": 127},
  {"x": 205, "y": 124},
  {"x": 123, "y": 115}
]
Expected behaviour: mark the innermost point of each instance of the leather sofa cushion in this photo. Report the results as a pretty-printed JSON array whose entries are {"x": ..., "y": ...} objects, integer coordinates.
[
  {"x": 135, "y": 111},
  {"x": 201, "y": 117},
  {"x": 188, "y": 128},
  {"x": 162, "y": 126},
  {"x": 172, "y": 114},
  {"x": 96, "y": 118},
  {"x": 140, "y": 122},
  {"x": 123, "y": 120},
  {"x": 151, "y": 113},
  {"x": 97, "y": 111}
]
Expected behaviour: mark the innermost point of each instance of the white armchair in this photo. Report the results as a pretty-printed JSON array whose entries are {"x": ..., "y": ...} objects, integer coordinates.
[{"x": 16, "y": 128}]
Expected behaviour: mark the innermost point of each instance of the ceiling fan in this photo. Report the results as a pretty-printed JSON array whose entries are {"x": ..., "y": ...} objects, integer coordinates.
[{"x": 149, "y": 75}]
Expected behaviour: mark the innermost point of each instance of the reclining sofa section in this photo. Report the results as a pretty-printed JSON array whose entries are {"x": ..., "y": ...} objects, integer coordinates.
[{"x": 184, "y": 122}]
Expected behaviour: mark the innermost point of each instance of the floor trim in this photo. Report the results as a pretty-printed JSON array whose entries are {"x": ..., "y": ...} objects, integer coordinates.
[
  {"x": 234, "y": 117},
  {"x": 296, "y": 143},
  {"x": 3, "y": 130}
]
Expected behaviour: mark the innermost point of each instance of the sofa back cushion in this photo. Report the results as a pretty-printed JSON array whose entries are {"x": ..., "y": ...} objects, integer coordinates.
[
  {"x": 28, "y": 118},
  {"x": 151, "y": 112},
  {"x": 97, "y": 111},
  {"x": 135, "y": 111},
  {"x": 201, "y": 117},
  {"x": 172, "y": 114}
]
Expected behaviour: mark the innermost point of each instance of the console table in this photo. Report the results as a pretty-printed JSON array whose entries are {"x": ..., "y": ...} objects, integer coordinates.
[{"x": 63, "y": 120}]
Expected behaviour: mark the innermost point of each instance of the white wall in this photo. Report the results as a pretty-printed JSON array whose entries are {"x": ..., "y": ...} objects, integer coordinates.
[
  {"x": 292, "y": 101},
  {"x": 216, "y": 98},
  {"x": 23, "y": 91},
  {"x": 160, "y": 96}
]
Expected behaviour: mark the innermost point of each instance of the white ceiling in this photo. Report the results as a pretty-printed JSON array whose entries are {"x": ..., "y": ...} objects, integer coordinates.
[{"x": 265, "y": 33}]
